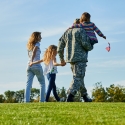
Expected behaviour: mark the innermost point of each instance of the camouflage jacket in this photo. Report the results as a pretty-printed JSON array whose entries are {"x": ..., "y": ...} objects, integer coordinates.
[{"x": 77, "y": 45}]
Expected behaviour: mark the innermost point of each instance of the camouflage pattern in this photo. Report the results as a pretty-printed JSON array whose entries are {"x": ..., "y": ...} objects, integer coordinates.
[
  {"x": 77, "y": 84},
  {"x": 77, "y": 44}
]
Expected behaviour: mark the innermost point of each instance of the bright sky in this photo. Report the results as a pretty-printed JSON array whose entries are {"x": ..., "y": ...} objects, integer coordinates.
[{"x": 18, "y": 19}]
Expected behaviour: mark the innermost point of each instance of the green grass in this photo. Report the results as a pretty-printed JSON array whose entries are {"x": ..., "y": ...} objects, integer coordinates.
[{"x": 62, "y": 114}]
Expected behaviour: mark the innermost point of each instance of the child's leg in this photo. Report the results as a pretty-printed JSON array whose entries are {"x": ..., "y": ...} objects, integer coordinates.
[
  {"x": 54, "y": 89},
  {"x": 51, "y": 80}
]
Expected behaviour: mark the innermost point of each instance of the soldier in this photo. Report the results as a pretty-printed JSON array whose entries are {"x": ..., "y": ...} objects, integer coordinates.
[{"x": 77, "y": 45}]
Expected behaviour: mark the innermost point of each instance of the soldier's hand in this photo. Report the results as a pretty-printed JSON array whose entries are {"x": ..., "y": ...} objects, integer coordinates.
[{"x": 63, "y": 63}]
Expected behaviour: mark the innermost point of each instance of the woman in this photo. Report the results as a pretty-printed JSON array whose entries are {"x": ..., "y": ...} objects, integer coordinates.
[{"x": 34, "y": 52}]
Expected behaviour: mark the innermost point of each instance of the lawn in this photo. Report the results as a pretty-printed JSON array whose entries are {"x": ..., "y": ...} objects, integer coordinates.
[{"x": 76, "y": 113}]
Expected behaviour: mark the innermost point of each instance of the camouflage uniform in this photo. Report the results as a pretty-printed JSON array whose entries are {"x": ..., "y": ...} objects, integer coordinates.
[{"x": 77, "y": 45}]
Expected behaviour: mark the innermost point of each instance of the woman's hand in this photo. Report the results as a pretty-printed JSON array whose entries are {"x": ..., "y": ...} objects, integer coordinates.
[{"x": 31, "y": 63}]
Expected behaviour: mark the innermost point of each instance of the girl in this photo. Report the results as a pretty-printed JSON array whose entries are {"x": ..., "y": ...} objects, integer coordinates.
[
  {"x": 33, "y": 47},
  {"x": 50, "y": 70},
  {"x": 84, "y": 22}
]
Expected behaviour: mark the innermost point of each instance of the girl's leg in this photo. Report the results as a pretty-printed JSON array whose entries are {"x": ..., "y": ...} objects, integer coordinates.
[
  {"x": 30, "y": 76},
  {"x": 50, "y": 85},
  {"x": 54, "y": 88},
  {"x": 39, "y": 74}
]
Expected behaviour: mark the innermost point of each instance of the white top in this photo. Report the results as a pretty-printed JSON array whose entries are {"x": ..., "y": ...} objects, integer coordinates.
[
  {"x": 37, "y": 56},
  {"x": 50, "y": 68}
]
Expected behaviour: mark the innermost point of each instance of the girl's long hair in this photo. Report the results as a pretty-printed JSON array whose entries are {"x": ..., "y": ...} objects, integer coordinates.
[
  {"x": 85, "y": 17},
  {"x": 34, "y": 38},
  {"x": 49, "y": 54}
]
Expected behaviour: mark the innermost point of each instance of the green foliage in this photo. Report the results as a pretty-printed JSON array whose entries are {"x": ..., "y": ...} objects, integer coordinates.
[
  {"x": 34, "y": 95},
  {"x": 10, "y": 96},
  {"x": 110, "y": 94},
  {"x": 98, "y": 93},
  {"x": 76, "y": 113},
  {"x": 116, "y": 93},
  {"x": 19, "y": 95},
  {"x": 2, "y": 98},
  {"x": 62, "y": 93}
]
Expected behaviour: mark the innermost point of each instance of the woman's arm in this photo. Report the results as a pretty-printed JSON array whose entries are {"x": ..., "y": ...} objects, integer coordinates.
[
  {"x": 34, "y": 53},
  {"x": 36, "y": 62},
  {"x": 33, "y": 56}
]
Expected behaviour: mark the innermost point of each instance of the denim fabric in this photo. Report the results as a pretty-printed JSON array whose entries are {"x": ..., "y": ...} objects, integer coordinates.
[
  {"x": 31, "y": 72},
  {"x": 52, "y": 86}
]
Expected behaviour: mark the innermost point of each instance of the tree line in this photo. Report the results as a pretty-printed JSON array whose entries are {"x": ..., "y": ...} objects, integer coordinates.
[
  {"x": 109, "y": 94},
  {"x": 18, "y": 96},
  {"x": 99, "y": 94}
]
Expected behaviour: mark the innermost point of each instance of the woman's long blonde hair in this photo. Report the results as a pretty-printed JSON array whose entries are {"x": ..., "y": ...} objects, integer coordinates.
[
  {"x": 34, "y": 38},
  {"x": 85, "y": 17},
  {"x": 49, "y": 54}
]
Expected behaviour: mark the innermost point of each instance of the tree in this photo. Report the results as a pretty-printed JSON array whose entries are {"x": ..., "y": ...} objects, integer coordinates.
[
  {"x": 2, "y": 98},
  {"x": 116, "y": 93},
  {"x": 10, "y": 96},
  {"x": 35, "y": 94},
  {"x": 19, "y": 95},
  {"x": 62, "y": 93},
  {"x": 99, "y": 94},
  {"x": 58, "y": 91}
]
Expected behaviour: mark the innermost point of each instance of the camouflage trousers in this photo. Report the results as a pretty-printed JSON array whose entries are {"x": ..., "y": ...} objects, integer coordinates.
[{"x": 77, "y": 84}]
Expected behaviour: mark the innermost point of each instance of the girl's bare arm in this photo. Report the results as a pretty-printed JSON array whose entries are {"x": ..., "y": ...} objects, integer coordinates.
[
  {"x": 55, "y": 63},
  {"x": 58, "y": 64}
]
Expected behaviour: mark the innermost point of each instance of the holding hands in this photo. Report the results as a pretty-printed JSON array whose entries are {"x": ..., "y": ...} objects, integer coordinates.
[
  {"x": 63, "y": 63},
  {"x": 36, "y": 62}
]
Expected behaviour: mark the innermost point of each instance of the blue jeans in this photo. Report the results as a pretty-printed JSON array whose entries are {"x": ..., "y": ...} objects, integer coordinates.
[
  {"x": 52, "y": 86},
  {"x": 31, "y": 72}
]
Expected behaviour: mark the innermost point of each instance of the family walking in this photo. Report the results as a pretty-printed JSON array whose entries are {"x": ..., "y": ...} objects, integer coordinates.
[{"x": 78, "y": 40}]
